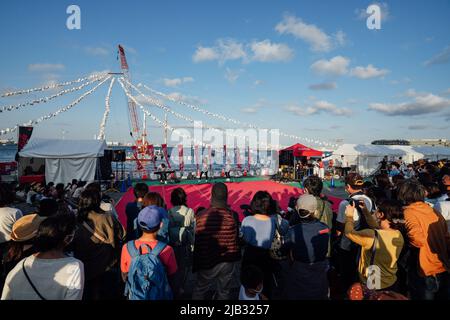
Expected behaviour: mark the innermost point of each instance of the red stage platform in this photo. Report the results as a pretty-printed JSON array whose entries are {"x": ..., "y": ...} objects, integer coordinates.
[{"x": 239, "y": 193}]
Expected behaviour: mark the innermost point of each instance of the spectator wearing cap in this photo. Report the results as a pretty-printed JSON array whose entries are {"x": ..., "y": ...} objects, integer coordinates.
[
  {"x": 216, "y": 246},
  {"x": 150, "y": 221},
  {"x": 23, "y": 233},
  {"x": 346, "y": 250},
  {"x": 307, "y": 247}
]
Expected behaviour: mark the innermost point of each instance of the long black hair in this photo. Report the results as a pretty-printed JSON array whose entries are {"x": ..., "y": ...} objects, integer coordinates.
[{"x": 89, "y": 201}]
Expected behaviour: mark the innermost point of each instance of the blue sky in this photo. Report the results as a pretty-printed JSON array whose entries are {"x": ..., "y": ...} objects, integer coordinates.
[{"x": 309, "y": 68}]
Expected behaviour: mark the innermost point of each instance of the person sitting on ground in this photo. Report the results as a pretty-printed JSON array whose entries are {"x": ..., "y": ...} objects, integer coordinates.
[
  {"x": 133, "y": 208},
  {"x": 258, "y": 232},
  {"x": 97, "y": 244},
  {"x": 307, "y": 247},
  {"x": 181, "y": 235},
  {"x": 79, "y": 190},
  {"x": 381, "y": 244},
  {"x": 48, "y": 274},
  {"x": 149, "y": 220},
  {"x": 216, "y": 246},
  {"x": 251, "y": 284}
]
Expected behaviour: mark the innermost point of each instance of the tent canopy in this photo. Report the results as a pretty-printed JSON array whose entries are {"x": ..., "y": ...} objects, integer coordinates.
[
  {"x": 66, "y": 159},
  {"x": 366, "y": 157},
  {"x": 301, "y": 150},
  {"x": 63, "y": 149}
]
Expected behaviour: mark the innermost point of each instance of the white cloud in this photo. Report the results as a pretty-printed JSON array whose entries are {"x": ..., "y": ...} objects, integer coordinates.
[
  {"x": 188, "y": 99},
  {"x": 260, "y": 82},
  {"x": 177, "y": 81},
  {"x": 46, "y": 67},
  {"x": 265, "y": 51},
  {"x": 205, "y": 54},
  {"x": 224, "y": 50},
  {"x": 423, "y": 103},
  {"x": 318, "y": 107},
  {"x": 317, "y": 39},
  {"x": 249, "y": 110},
  {"x": 323, "y": 86},
  {"x": 341, "y": 38},
  {"x": 98, "y": 51},
  {"x": 440, "y": 58},
  {"x": 231, "y": 49},
  {"x": 335, "y": 66},
  {"x": 232, "y": 75},
  {"x": 361, "y": 14},
  {"x": 368, "y": 72}
]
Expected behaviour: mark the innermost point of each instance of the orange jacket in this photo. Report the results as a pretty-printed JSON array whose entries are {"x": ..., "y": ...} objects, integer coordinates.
[{"x": 427, "y": 230}]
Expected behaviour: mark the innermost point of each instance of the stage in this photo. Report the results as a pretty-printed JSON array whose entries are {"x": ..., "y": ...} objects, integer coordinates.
[{"x": 199, "y": 195}]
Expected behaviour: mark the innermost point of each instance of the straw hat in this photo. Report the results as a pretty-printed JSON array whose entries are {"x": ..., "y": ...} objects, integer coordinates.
[{"x": 26, "y": 227}]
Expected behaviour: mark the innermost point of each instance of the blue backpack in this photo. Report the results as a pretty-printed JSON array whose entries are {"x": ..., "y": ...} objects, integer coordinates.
[{"x": 147, "y": 279}]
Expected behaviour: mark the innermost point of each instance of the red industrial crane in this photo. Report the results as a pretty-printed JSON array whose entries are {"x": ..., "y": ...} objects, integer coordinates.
[{"x": 140, "y": 148}]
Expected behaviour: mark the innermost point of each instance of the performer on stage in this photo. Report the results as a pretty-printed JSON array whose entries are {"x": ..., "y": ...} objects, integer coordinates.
[
  {"x": 205, "y": 168},
  {"x": 227, "y": 170},
  {"x": 162, "y": 168}
]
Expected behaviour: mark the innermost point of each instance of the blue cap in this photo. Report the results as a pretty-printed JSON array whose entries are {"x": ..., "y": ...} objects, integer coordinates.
[{"x": 150, "y": 217}]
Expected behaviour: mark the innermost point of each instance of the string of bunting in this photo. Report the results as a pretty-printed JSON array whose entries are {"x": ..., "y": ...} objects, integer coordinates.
[
  {"x": 171, "y": 111},
  {"x": 52, "y": 86},
  {"x": 154, "y": 118},
  {"x": 101, "y": 134},
  {"x": 57, "y": 112},
  {"x": 49, "y": 98},
  {"x": 237, "y": 122}
]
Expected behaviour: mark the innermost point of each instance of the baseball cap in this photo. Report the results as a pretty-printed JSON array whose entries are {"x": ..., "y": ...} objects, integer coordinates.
[
  {"x": 150, "y": 217},
  {"x": 307, "y": 202}
]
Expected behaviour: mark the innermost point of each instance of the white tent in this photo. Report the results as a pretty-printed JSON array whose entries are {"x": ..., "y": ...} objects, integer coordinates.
[
  {"x": 365, "y": 158},
  {"x": 66, "y": 159}
]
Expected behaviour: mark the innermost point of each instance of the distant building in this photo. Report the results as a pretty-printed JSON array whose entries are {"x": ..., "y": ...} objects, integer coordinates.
[{"x": 414, "y": 142}]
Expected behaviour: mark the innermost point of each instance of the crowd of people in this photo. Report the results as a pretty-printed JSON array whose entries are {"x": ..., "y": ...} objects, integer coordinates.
[{"x": 389, "y": 239}]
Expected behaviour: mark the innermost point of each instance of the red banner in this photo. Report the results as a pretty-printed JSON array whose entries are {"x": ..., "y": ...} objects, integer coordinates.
[
  {"x": 238, "y": 158},
  {"x": 180, "y": 156},
  {"x": 196, "y": 155},
  {"x": 224, "y": 153},
  {"x": 248, "y": 158},
  {"x": 210, "y": 158},
  {"x": 164, "y": 149},
  {"x": 136, "y": 157},
  {"x": 151, "y": 154}
]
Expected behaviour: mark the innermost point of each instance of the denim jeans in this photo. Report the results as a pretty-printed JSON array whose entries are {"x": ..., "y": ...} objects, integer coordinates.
[
  {"x": 223, "y": 273},
  {"x": 434, "y": 287}
]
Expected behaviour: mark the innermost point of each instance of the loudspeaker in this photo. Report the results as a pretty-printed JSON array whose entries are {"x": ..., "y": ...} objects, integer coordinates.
[
  {"x": 104, "y": 169},
  {"x": 119, "y": 156},
  {"x": 108, "y": 155}
]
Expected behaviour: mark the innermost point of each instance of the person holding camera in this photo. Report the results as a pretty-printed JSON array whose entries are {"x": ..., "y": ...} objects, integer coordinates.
[{"x": 346, "y": 251}]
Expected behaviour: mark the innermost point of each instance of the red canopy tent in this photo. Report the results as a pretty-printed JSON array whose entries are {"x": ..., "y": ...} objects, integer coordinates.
[{"x": 300, "y": 150}]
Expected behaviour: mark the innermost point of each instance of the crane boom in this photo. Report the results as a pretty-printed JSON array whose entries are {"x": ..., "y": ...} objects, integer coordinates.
[{"x": 134, "y": 119}]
